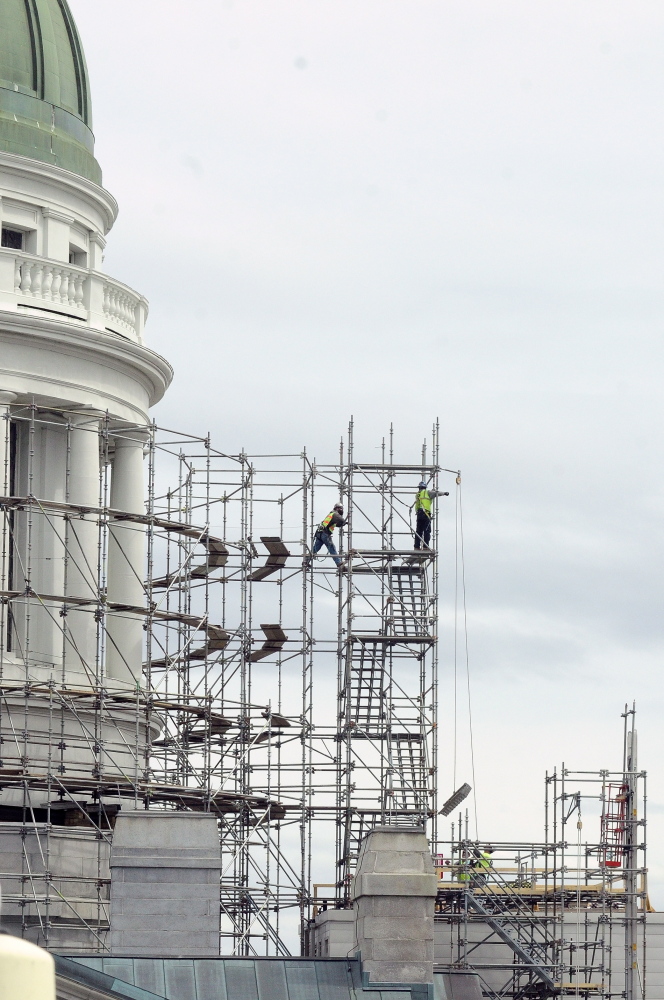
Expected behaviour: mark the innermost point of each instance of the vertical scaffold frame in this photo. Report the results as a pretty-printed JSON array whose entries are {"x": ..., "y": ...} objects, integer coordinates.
[
  {"x": 168, "y": 641},
  {"x": 385, "y": 742},
  {"x": 565, "y": 917}
]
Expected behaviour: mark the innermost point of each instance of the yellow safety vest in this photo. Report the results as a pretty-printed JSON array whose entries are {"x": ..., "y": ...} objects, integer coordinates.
[
  {"x": 423, "y": 502},
  {"x": 484, "y": 861},
  {"x": 325, "y": 523}
]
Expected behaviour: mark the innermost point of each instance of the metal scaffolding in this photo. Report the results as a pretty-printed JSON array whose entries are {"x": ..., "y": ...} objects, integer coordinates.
[
  {"x": 565, "y": 916},
  {"x": 170, "y": 640},
  {"x": 387, "y": 611},
  {"x": 201, "y": 725},
  {"x": 230, "y": 641},
  {"x": 178, "y": 652}
]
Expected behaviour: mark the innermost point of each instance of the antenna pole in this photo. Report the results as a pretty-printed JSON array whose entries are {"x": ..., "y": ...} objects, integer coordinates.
[{"x": 630, "y": 859}]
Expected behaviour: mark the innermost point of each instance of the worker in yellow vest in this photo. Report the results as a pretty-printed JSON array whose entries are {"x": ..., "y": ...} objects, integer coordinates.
[
  {"x": 475, "y": 871},
  {"x": 482, "y": 866},
  {"x": 462, "y": 874},
  {"x": 323, "y": 536},
  {"x": 422, "y": 506}
]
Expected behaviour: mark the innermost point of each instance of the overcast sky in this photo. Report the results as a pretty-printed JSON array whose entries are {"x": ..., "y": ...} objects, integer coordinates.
[{"x": 419, "y": 209}]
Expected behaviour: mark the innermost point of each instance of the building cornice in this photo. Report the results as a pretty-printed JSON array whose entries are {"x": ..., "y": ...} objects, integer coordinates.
[
  {"x": 102, "y": 200},
  {"x": 107, "y": 349},
  {"x": 50, "y": 213}
]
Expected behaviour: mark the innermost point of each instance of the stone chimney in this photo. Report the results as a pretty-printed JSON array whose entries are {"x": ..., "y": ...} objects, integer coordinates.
[
  {"x": 165, "y": 877},
  {"x": 394, "y": 892}
]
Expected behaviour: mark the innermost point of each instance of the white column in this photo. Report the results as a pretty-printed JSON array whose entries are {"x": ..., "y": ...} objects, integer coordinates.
[
  {"x": 6, "y": 398},
  {"x": 5, "y": 538},
  {"x": 126, "y": 560},
  {"x": 44, "y": 557},
  {"x": 82, "y": 542}
]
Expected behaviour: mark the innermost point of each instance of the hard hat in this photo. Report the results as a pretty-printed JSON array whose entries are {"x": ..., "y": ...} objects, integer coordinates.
[
  {"x": 339, "y": 509},
  {"x": 423, "y": 485}
]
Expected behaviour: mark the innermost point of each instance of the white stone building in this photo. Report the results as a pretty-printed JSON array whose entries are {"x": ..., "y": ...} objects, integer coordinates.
[{"x": 72, "y": 356}]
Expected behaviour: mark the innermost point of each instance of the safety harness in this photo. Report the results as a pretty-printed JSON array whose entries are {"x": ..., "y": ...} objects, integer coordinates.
[{"x": 325, "y": 524}]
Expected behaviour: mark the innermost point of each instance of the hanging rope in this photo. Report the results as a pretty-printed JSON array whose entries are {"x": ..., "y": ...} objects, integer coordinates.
[
  {"x": 461, "y": 553},
  {"x": 579, "y": 861},
  {"x": 456, "y": 636}
]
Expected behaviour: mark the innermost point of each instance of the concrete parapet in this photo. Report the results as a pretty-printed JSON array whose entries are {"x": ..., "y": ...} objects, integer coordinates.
[
  {"x": 165, "y": 875},
  {"x": 394, "y": 892},
  {"x": 395, "y": 884}
]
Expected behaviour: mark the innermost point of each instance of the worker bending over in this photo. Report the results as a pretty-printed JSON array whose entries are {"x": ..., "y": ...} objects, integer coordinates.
[
  {"x": 323, "y": 536},
  {"x": 422, "y": 506},
  {"x": 474, "y": 870}
]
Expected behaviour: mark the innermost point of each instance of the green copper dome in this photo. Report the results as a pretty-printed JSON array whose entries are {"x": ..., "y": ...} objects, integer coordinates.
[{"x": 45, "y": 110}]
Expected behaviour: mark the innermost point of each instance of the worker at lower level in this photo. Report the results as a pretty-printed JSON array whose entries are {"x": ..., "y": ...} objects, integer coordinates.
[
  {"x": 423, "y": 512},
  {"x": 462, "y": 874},
  {"x": 323, "y": 536},
  {"x": 475, "y": 870},
  {"x": 482, "y": 865}
]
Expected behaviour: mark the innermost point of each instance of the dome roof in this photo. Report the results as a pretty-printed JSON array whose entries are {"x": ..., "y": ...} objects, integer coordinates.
[{"x": 45, "y": 110}]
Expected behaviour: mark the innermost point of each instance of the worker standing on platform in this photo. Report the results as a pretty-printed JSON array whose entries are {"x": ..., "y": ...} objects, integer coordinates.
[
  {"x": 462, "y": 874},
  {"x": 323, "y": 536},
  {"x": 422, "y": 506},
  {"x": 482, "y": 866},
  {"x": 462, "y": 870}
]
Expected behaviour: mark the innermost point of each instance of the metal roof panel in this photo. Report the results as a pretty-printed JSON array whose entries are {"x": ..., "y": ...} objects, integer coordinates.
[
  {"x": 271, "y": 978},
  {"x": 241, "y": 979}
]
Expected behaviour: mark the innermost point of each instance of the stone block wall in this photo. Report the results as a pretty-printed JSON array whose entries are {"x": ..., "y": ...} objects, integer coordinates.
[
  {"x": 165, "y": 876},
  {"x": 72, "y": 874},
  {"x": 332, "y": 934},
  {"x": 394, "y": 892}
]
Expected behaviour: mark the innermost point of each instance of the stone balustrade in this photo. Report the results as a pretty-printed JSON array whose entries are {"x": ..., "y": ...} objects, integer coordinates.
[{"x": 36, "y": 284}]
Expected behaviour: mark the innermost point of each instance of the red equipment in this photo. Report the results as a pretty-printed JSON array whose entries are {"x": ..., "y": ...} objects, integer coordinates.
[{"x": 614, "y": 826}]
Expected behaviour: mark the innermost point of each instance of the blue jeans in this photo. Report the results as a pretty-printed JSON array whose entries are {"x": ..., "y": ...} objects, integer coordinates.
[
  {"x": 422, "y": 530},
  {"x": 324, "y": 538}
]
